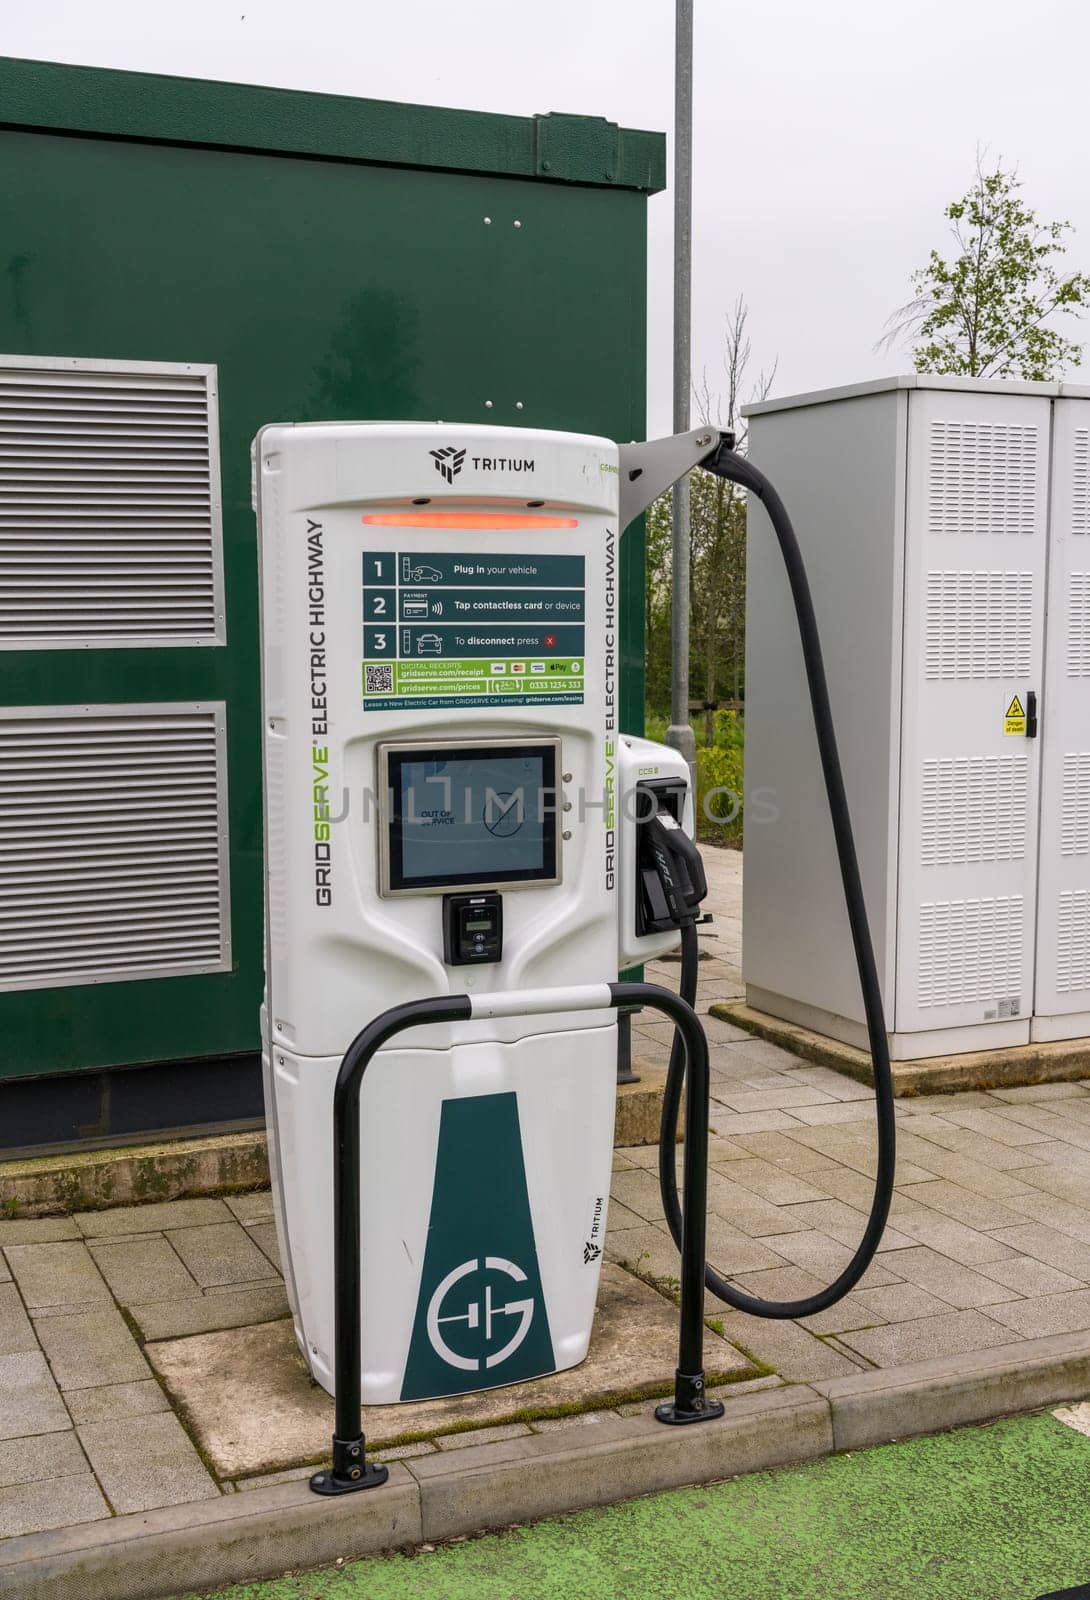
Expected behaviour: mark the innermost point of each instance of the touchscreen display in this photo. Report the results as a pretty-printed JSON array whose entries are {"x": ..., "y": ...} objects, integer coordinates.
[{"x": 472, "y": 816}]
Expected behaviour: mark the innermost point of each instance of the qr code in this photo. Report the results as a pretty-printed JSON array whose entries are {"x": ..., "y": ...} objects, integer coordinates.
[{"x": 379, "y": 680}]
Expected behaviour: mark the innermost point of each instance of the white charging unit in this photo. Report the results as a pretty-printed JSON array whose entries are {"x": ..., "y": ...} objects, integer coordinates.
[{"x": 447, "y": 809}]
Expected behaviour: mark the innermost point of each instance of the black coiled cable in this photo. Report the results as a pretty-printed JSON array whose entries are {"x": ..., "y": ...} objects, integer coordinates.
[{"x": 724, "y": 463}]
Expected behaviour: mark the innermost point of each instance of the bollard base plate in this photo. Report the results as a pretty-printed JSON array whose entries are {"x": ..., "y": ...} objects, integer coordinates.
[
  {"x": 690, "y": 1403},
  {"x": 669, "y": 1411},
  {"x": 370, "y": 1477},
  {"x": 351, "y": 1470}
]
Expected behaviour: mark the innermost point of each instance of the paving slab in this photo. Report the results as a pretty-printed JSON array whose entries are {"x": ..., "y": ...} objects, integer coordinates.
[
  {"x": 793, "y": 1284},
  {"x": 733, "y": 1252},
  {"x": 786, "y": 1347},
  {"x": 841, "y": 1183},
  {"x": 1043, "y": 1243},
  {"x": 962, "y": 1141},
  {"x": 621, "y": 1218},
  {"x": 271, "y": 1280},
  {"x": 983, "y": 1213},
  {"x": 115, "y": 1402},
  {"x": 783, "y": 1098},
  {"x": 638, "y": 1189},
  {"x": 91, "y": 1348},
  {"x": 142, "y": 1269},
  {"x": 733, "y": 1123},
  {"x": 264, "y": 1236},
  {"x": 747, "y": 1211},
  {"x": 35, "y": 1230},
  {"x": 221, "y": 1253},
  {"x": 25, "y": 1509},
  {"x": 959, "y": 1286},
  {"x": 968, "y": 1246},
  {"x": 16, "y": 1329},
  {"x": 1059, "y": 1214},
  {"x": 901, "y": 1302},
  {"x": 267, "y": 1480},
  {"x": 482, "y": 1436},
  {"x": 1029, "y": 1278},
  {"x": 837, "y": 1113},
  {"x": 30, "y": 1402},
  {"x": 999, "y": 1124},
  {"x": 40, "y": 1459},
  {"x": 963, "y": 1170},
  {"x": 1056, "y": 1152},
  {"x": 143, "y": 1463},
  {"x": 1067, "y": 1181},
  {"x": 834, "y": 1084},
  {"x": 152, "y": 1218},
  {"x": 5, "y": 1270},
  {"x": 1050, "y": 1313},
  {"x": 403, "y": 1452},
  {"x": 253, "y": 1406},
  {"x": 229, "y": 1308},
  {"x": 844, "y": 1223},
  {"x": 770, "y": 1182},
  {"x": 1050, "y": 1125},
  {"x": 56, "y": 1274},
  {"x": 254, "y": 1207},
  {"x": 815, "y": 1252},
  {"x": 649, "y": 1252},
  {"x": 923, "y": 1338}
]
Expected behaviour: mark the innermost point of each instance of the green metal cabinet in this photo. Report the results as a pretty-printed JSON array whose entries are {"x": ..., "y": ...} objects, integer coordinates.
[{"x": 332, "y": 258}]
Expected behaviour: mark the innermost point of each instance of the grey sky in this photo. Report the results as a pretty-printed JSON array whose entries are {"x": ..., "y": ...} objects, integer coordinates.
[{"x": 828, "y": 137}]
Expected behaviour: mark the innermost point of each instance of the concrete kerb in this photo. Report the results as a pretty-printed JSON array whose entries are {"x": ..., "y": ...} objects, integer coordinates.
[
  {"x": 553, "y": 1473},
  {"x": 874, "y": 1408},
  {"x": 1064, "y": 1061},
  {"x": 208, "y": 1545},
  {"x": 89, "y": 1180},
  {"x": 264, "y": 1531}
]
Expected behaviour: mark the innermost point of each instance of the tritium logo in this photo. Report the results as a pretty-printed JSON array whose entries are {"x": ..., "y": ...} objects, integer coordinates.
[
  {"x": 449, "y": 461},
  {"x": 592, "y": 1247}
]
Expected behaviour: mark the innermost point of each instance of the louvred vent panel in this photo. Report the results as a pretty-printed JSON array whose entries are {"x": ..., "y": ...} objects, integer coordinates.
[
  {"x": 982, "y": 478},
  {"x": 113, "y": 844},
  {"x": 109, "y": 507}
]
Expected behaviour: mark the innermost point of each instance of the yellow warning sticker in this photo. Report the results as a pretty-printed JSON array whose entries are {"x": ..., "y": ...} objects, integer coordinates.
[{"x": 1015, "y": 717}]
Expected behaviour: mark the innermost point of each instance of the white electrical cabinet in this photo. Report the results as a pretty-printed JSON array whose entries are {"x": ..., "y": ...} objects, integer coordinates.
[{"x": 946, "y": 529}]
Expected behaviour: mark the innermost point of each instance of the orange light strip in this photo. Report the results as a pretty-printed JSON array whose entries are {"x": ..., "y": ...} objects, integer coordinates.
[{"x": 499, "y": 521}]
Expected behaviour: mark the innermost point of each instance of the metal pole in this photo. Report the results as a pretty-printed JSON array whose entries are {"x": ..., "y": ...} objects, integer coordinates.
[
  {"x": 679, "y": 734},
  {"x": 351, "y": 1469}
]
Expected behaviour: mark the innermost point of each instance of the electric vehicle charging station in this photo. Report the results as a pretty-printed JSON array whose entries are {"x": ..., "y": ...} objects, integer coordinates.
[
  {"x": 462, "y": 849},
  {"x": 443, "y": 777}
]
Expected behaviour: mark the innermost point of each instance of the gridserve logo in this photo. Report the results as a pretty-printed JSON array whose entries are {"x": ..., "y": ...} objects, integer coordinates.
[{"x": 449, "y": 461}]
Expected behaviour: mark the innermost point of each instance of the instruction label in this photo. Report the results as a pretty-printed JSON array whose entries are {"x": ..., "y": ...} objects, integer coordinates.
[
  {"x": 1015, "y": 717},
  {"x": 446, "y": 630}
]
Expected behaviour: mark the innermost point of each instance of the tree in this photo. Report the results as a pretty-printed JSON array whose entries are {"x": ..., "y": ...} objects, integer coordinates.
[
  {"x": 987, "y": 312},
  {"x": 717, "y": 534}
]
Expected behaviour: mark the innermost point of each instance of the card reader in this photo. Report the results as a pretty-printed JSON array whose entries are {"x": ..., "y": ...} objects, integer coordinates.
[{"x": 472, "y": 928}]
